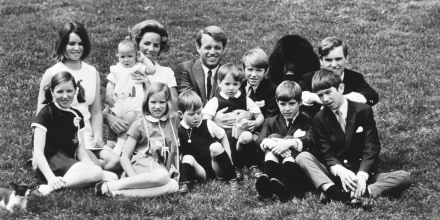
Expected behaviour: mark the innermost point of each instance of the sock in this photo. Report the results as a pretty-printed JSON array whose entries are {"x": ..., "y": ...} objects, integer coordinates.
[
  {"x": 45, "y": 189},
  {"x": 118, "y": 147},
  {"x": 289, "y": 174},
  {"x": 225, "y": 164},
  {"x": 186, "y": 172},
  {"x": 337, "y": 194},
  {"x": 272, "y": 169}
]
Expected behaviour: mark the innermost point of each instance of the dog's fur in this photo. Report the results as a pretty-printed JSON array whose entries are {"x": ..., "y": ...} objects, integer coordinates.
[
  {"x": 16, "y": 197},
  {"x": 294, "y": 53}
]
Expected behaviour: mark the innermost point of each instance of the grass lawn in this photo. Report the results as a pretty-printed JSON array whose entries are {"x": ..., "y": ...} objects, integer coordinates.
[{"x": 395, "y": 43}]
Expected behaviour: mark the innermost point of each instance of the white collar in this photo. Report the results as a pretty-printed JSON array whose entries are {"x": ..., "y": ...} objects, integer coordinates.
[
  {"x": 342, "y": 75},
  {"x": 223, "y": 95},
  {"x": 153, "y": 119},
  {"x": 206, "y": 69},
  {"x": 186, "y": 126},
  {"x": 61, "y": 108},
  {"x": 293, "y": 119},
  {"x": 343, "y": 108}
]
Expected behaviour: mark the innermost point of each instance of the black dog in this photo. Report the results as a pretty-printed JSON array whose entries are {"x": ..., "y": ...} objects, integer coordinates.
[{"x": 292, "y": 57}]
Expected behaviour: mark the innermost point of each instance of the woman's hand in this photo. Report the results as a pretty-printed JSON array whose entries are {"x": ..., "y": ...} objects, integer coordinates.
[
  {"x": 225, "y": 120},
  {"x": 56, "y": 182},
  {"x": 139, "y": 77},
  {"x": 116, "y": 124}
]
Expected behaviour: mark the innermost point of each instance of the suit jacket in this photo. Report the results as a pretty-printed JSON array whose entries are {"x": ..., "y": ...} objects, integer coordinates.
[
  {"x": 277, "y": 125},
  {"x": 353, "y": 81},
  {"x": 190, "y": 76},
  {"x": 266, "y": 92},
  {"x": 358, "y": 148}
]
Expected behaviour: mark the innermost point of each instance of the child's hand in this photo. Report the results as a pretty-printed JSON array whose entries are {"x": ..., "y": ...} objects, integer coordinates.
[
  {"x": 251, "y": 125},
  {"x": 149, "y": 67},
  {"x": 260, "y": 104},
  {"x": 110, "y": 101},
  {"x": 268, "y": 144},
  {"x": 281, "y": 147},
  {"x": 56, "y": 182}
]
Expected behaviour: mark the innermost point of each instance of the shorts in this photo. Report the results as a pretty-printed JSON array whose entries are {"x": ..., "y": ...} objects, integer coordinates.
[{"x": 59, "y": 163}]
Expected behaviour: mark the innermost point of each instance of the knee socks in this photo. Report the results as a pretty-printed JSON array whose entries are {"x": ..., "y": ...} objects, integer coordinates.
[
  {"x": 225, "y": 164},
  {"x": 186, "y": 173},
  {"x": 272, "y": 169}
]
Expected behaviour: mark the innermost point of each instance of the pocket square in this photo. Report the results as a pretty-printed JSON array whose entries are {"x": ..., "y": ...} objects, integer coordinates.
[
  {"x": 299, "y": 133},
  {"x": 359, "y": 129}
]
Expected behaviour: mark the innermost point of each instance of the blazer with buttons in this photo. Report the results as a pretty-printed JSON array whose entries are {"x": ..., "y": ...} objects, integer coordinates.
[{"x": 358, "y": 148}]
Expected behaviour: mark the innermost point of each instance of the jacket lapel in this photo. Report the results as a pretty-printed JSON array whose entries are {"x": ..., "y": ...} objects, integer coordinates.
[
  {"x": 199, "y": 77},
  {"x": 351, "y": 118}
]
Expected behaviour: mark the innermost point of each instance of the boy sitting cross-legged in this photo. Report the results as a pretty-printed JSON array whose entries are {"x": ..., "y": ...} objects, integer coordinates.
[
  {"x": 282, "y": 137},
  {"x": 347, "y": 141},
  {"x": 204, "y": 145}
]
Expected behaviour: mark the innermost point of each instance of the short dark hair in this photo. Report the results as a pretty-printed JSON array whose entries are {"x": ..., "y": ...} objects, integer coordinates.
[
  {"x": 62, "y": 77},
  {"x": 325, "y": 79},
  {"x": 189, "y": 100},
  {"x": 330, "y": 43},
  {"x": 63, "y": 40},
  {"x": 287, "y": 91},
  {"x": 138, "y": 31},
  {"x": 229, "y": 68},
  {"x": 155, "y": 88},
  {"x": 215, "y": 32}
]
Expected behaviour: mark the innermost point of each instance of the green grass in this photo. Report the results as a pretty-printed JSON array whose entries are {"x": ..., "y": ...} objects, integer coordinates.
[{"x": 394, "y": 43}]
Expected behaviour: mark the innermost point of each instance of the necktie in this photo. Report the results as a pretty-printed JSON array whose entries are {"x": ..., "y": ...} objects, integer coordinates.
[
  {"x": 208, "y": 84},
  {"x": 251, "y": 93},
  {"x": 340, "y": 119},
  {"x": 289, "y": 122}
]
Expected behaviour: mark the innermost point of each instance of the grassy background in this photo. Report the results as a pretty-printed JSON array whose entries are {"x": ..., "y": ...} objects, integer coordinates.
[{"x": 395, "y": 43}]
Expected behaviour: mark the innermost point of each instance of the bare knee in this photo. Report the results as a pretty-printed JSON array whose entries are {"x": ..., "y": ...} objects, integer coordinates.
[
  {"x": 245, "y": 138},
  {"x": 216, "y": 149},
  {"x": 130, "y": 117},
  {"x": 161, "y": 177},
  {"x": 270, "y": 156},
  {"x": 92, "y": 172},
  {"x": 111, "y": 161},
  {"x": 189, "y": 159}
]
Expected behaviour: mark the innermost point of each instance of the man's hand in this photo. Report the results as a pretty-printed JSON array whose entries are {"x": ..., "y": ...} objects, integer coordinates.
[
  {"x": 116, "y": 124},
  {"x": 282, "y": 146},
  {"x": 110, "y": 101},
  {"x": 361, "y": 184},
  {"x": 348, "y": 179},
  {"x": 267, "y": 144},
  {"x": 225, "y": 120},
  {"x": 356, "y": 97}
]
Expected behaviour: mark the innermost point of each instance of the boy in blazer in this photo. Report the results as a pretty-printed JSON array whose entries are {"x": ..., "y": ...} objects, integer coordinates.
[
  {"x": 281, "y": 138},
  {"x": 348, "y": 147},
  {"x": 333, "y": 55}
]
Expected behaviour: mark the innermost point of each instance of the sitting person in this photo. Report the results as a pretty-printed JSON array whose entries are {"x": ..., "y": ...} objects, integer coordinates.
[
  {"x": 333, "y": 54},
  {"x": 204, "y": 145},
  {"x": 282, "y": 137},
  {"x": 59, "y": 147},
  {"x": 348, "y": 146},
  {"x": 292, "y": 57},
  {"x": 229, "y": 78},
  {"x": 124, "y": 96},
  {"x": 150, "y": 156},
  {"x": 256, "y": 86}
]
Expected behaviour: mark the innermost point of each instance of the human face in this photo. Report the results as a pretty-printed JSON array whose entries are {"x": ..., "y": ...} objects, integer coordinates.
[
  {"x": 335, "y": 60},
  {"x": 150, "y": 45},
  {"x": 288, "y": 109},
  {"x": 192, "y": 117},
  {"x": 210, "y": 51},
  {"x": 253, "y": 75},
  {"x": 157, "y": 104},
  {"x": 63, "y": 94},
  {"x": 332, "y": 97},
  {"x": 126, "y": 56},
  {"x": 229, "y": 86},
  {"x": 74, "y": 48}
]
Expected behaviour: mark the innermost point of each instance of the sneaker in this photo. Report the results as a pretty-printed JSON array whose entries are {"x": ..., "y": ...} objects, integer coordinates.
[
  {"x": 44, "y": 189},
  {"x": 98, "y": 189},
  {"x": 184, "y": 188},
  {"x": 255, "y": 171},
  {"x": 280, "y": 190},
  {"x": 238, "y": 174},
  {"x": 263, "y": 187}
]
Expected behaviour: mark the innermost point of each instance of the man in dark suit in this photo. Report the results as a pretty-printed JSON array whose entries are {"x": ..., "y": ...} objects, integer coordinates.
[
  {"x": 348, "y": 147},
  {"x": 199, "y": 75},
  {"x": 333, "y": 54}
]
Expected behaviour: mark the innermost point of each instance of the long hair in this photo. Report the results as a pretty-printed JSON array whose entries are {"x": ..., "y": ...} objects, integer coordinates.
[
  {"x": 62, "y": 77},
  {"x": 63, "y": 39},
  {"x": 153, "y": 89},
  {"x": 292, "y": 53}
]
